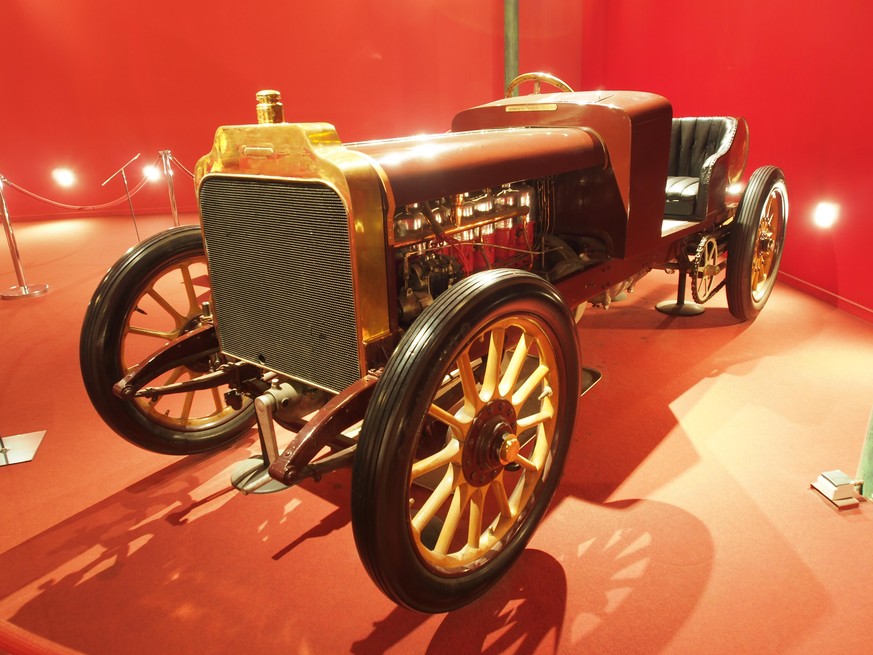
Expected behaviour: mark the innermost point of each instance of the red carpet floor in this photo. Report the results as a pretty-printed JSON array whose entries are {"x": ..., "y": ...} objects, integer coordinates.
[{"x": 684, "y": 523}]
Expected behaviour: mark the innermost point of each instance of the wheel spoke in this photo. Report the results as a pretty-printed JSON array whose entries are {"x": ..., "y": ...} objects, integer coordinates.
[
  {"x": 500, "y": 496},
  {"x": 193, "y": 305},
  {"x": 435, "y": 500},
  {"x": 451, "y": 522},
  {"x": 164, "y": 304},
  {"x": 541, "y": 448},
  {"x": 449, "y": 419},
  {"x": 510, "y": 377},
  {"x": 438, "y": 459},
  {"x": 536, "y": 419},
  {"x": 527, "y": 388},
  {"x": 216, "y": 399},
  {"x": 760, "y": 267},
  {"x": 771, "y": 209},
  {"x": 472, "y": 401},
  {"x": 756, "y": 278},
  {"x": 477, "y": 510},
  {"x": 175, "y": 374},
  {"x": 526, "y": 464},
  {"x": 492, "y": 367},
  {"x": 186, "y": 406}
]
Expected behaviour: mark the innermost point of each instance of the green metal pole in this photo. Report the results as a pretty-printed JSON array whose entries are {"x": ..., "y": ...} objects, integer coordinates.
[
  {"x": 510, "y": 41},
  {"x": 865, "y": 468}
]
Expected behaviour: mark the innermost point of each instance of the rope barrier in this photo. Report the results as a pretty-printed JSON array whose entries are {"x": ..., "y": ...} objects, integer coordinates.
[
  {"x": 179, "y": 164},
  {"x": 24, "y": 290},
  {"x": 48, "y": 201}
]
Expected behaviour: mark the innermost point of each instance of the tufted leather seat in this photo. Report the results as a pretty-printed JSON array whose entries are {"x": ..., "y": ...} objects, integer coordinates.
[{"x": 697, "y": 173}]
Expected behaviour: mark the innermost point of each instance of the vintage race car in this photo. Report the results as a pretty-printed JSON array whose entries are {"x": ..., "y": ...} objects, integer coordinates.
[{"x": 408, "y": 307}]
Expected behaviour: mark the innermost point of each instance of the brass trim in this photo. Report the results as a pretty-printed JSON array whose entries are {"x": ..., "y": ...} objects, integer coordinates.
[
  {"x": 551, "y": 106},
  {"x": 269, "y": 108},
  {"x": 391, "y": 207}
]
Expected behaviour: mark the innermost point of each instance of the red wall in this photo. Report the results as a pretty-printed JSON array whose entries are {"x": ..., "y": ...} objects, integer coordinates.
[
  {"x": 799, "y": 71},
  {"x": 89, "y": 83}
]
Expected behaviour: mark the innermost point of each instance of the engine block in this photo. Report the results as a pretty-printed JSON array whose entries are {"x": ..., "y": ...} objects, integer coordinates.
[{"x": 438, "y": 243}]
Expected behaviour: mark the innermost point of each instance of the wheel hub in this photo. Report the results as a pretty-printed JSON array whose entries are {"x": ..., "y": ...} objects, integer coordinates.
[
  {"x": 491, "y": 443},
  {"x": 766, "y": 244}
]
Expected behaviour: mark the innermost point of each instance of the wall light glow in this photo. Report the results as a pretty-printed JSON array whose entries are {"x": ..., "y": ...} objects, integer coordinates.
[
  {"x": 152, "y": 173},
  {"x": 826, "y": 214},
  {"x": 64, "y": 177}
]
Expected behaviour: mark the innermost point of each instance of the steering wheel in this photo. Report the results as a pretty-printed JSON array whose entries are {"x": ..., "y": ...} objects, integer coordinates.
[{"x": 537, "y": 79}]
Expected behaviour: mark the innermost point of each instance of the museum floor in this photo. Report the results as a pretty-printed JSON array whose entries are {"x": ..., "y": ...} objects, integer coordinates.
[{"x": 684, "y": 523}]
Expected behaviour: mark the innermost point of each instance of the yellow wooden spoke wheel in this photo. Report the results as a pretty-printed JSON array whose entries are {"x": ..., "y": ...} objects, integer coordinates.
[
  {"x": 756, "y": 242},
  {"x": 464, "y": 441},
  {"x": 152, "y": 296}
]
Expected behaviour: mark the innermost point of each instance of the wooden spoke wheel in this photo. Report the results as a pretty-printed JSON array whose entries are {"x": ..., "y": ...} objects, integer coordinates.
[
  {"x": 464, "y": 441},
  {"x": 704, "y": 268},
  {"x": 149, "y": 298},
  {"x": 756, "y": 242}
]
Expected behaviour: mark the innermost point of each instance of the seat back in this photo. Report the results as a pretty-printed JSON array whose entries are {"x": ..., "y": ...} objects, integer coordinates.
[
  {"x": 701, "y": 164},
  {"x": 694, "y": 140}
]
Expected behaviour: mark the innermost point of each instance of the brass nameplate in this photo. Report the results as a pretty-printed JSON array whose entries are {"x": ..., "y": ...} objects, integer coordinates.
[{"x": 543, "y": 107}]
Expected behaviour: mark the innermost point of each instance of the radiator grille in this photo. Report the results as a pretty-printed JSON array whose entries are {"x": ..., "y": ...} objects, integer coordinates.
[{"x": 280, "y": 264}]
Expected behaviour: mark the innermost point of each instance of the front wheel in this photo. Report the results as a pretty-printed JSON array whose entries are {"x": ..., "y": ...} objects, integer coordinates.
[
  {"x": 755, "y": 243},
  {"x": 149, "y": 298},
  {"x": 464, "y": 441}
]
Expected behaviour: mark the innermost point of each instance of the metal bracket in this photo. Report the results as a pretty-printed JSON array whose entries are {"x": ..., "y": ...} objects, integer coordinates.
[
  {"x": 189, "y": 347},
  {"x": 273, "y": 472},
  {"x": 340, "y": 413}
]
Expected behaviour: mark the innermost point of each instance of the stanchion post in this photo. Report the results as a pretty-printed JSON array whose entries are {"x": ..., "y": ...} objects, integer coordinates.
[
  {"x": 23, "y": 290},
  {"x": 510, "y": 42},
  {"x": 865, "y": 468},
  {"x": 166, "y": 159},
  {"x": 126, "y": 190}
]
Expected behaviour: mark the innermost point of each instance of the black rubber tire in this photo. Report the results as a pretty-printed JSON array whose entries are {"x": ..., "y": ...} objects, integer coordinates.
[
  {"x": 756, "y": 242},
  {"x": 395, "y": 419},
  {"x": 101, "y": 351}
]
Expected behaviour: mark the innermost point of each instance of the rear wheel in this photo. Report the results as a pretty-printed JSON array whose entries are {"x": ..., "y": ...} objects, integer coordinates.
[
  {"x": 150, "y": 297},
  {"x": 756, "y": 242},
  {"x": 464, "y": 441}
]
